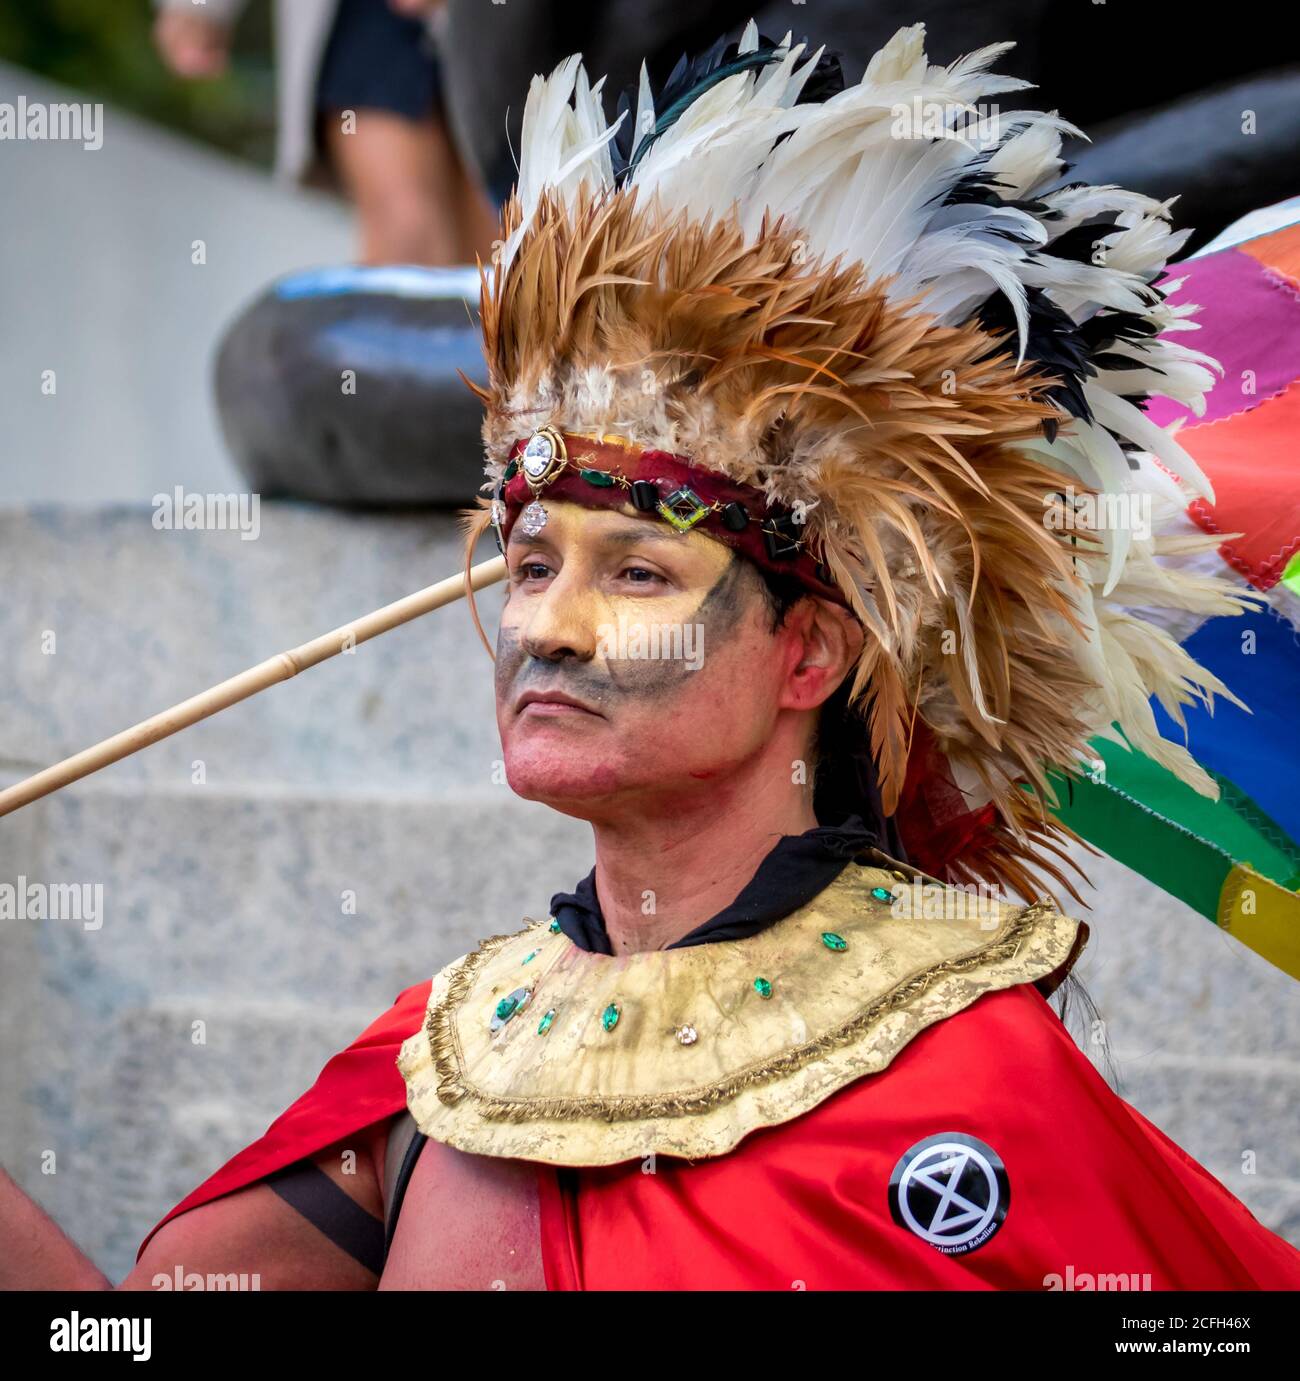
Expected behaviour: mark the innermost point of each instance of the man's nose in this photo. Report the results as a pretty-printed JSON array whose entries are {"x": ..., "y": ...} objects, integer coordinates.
[{"x": 563, "y": 620}]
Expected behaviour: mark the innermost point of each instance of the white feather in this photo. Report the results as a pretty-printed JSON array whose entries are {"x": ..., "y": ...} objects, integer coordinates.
[
  {"x": 563, "y": 144},
  {"x": 1127, "y": 421}
]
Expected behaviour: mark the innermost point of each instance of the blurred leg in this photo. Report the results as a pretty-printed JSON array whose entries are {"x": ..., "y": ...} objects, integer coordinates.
[
  {"x": 480, "y": 221},
  {"x": 408, "y": 186},
  {"x": 415, "y": 202}
]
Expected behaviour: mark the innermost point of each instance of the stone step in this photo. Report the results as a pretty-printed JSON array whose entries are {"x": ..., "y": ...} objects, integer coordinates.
[
  {"x": 1252, "y": 1100},
  {"x": 235, "y": 910},
  {"x": 330, "y": 898},
  {"x": 106, "y": 619}
]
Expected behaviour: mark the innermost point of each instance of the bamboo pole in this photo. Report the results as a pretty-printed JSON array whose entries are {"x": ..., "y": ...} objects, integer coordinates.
[{"x": 268, "y": 673}]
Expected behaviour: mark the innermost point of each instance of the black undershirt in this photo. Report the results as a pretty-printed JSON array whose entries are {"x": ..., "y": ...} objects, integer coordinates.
[{"x": 798, "y": 868}]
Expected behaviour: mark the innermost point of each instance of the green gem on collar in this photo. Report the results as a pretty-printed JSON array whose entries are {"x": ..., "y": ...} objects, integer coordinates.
[
  {"x": 833, "y": 941},
  {"x": 508, "y": 1006}
]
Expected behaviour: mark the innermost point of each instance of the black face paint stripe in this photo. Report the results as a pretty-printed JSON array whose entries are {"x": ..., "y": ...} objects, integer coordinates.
[
  {"x": 724, "y": 601},
  {"x": 716, "y": 616},
  {"x": 307, "y": 1189}
]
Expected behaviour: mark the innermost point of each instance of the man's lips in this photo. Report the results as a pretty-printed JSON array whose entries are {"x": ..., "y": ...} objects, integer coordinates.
[{"x": 552, "y": 703}]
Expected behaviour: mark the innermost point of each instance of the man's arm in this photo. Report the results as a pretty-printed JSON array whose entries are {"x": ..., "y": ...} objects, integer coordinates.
[
  {"x": 37, "y": 1254},
  {"x": 314, "y": 1228}
]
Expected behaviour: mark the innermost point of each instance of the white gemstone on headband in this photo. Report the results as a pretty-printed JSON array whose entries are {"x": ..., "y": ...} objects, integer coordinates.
[
  {"x": 532, "y": 520},
  {"x": 538, "y": 455}
]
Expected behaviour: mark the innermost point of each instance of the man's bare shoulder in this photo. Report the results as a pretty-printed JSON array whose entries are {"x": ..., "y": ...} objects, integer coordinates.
[{"x": 468, "y": 1223}]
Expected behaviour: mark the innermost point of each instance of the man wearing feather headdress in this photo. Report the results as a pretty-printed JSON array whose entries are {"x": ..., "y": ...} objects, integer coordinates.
[{"x": 806, "y": 399}]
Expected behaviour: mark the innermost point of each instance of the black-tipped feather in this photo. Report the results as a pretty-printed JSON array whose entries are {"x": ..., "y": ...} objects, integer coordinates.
[
  {"x": 689, "y": 80},
  {"x": 1053, "y": 341}
]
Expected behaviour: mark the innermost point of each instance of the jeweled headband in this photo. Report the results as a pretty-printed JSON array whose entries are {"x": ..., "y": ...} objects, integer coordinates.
[{"x": 609, "y": 472}]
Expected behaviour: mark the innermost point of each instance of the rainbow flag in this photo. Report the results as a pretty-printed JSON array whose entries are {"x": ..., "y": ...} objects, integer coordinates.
[{"x": 1235, "y": 860}]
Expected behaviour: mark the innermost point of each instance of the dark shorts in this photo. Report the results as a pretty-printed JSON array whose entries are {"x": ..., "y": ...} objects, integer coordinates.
[{"x": 376, "y": 60}]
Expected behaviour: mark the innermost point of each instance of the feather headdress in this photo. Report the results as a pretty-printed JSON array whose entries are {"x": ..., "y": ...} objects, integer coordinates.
[{"x": 882, "y": 307}]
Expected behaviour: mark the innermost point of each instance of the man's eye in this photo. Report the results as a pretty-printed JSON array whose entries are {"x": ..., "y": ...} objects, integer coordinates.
[
  {"x": 641, "y": 575},
  {"x": 533, "y": 570}
]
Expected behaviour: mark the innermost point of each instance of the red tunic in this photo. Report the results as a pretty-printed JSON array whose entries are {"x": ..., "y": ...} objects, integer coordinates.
[{"x": 1088, "y": 1193}]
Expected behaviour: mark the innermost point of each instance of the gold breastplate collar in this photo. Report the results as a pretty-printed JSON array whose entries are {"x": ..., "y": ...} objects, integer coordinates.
[{"x": 534, "y": 1048}]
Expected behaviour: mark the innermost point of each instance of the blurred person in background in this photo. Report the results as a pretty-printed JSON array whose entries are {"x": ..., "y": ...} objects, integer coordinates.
[
  {"x": 359, "y": 97},
  {"x": 1215, "y": 123}
]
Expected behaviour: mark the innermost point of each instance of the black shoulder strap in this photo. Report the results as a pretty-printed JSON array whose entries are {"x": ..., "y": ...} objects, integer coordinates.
[
  {"x": 305, "y": 1187},
  {"x": 405, "y": 1142}
]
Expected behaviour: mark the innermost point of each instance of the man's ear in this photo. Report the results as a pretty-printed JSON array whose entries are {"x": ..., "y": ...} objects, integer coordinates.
[{"x": 831, "y": 642}]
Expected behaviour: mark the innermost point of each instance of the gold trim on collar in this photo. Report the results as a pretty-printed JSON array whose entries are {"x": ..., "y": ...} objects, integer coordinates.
[{"x": 582, "y": 1094}]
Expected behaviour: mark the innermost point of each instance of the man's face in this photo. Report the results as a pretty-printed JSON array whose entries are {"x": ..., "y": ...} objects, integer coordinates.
[{"x": 633, "y": 661}]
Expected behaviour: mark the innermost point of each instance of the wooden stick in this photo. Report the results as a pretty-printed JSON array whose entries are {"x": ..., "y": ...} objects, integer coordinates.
[{"x": 275, "y": 669}]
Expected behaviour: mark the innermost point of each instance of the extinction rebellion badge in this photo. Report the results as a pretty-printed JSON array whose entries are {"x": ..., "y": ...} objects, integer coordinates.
[{"x": 952, "y": 1191}]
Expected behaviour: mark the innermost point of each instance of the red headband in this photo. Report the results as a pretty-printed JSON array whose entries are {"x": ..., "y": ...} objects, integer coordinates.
[{"x": 609, "y": 473}]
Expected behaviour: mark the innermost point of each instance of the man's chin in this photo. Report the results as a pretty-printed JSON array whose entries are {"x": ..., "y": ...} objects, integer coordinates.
[
  {"x": 563, "y": 785},
  {"x": 567, "y": 781}
]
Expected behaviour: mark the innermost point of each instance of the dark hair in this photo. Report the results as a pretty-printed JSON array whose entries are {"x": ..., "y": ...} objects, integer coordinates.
[
  {"x": 844, "y": 780},
  {"x": 783, "y": 593}
]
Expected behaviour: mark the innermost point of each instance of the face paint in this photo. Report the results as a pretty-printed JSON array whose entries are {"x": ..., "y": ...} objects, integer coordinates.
[
  {"x": 602, "y": 687},
  {"x": 712, "y": 624},
  {"x": 623, "y": 666}
]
